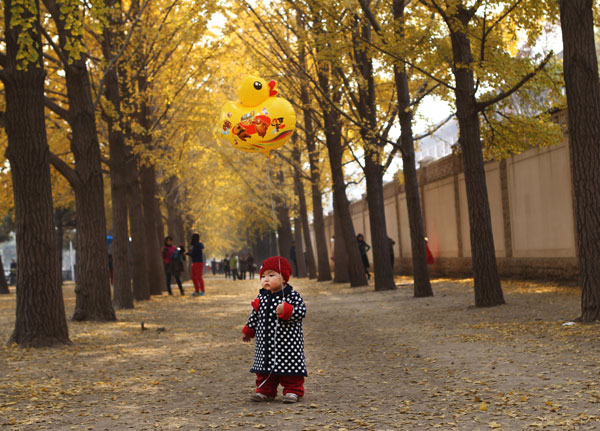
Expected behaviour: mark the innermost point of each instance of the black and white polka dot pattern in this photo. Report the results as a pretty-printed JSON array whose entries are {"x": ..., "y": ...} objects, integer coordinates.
[{"x": 279, "y": 343}]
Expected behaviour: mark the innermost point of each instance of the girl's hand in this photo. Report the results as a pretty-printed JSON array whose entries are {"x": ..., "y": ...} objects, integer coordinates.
[
  {"x": 246, "y": 339},
  {"x": 279, "y": 308}
]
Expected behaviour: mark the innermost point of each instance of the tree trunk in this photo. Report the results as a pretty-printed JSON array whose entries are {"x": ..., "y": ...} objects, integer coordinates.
[
  {"x": 310, "y": 255},
  {"x": 284, "y": 227},
  {"x": 324, "y": 269},
  {"x": 141, "y": 286},
  {"x": 156, "y": 272},
  {"x": 300, "y": 259},
  {"x": 93, "y": 301},
  {"x": 174, "y": 219},
  {"x": 382, "y": 266},
  {"x": 341, "y": 205},
  {"x": 488, "y": 291},
  {"x": 340, "y": 253},
  {"x": 301, "y": 230},
  {"x": 160, "y": 226},
  {"x": 367, "y": 109},
  {"x": 93, "y": 296},
  {"x": 3, "y": 283},
  {"x": 60, "y": 232},
  {"x": 123, "y": 295},
  {"x": 421, "y": 281},
  {"x": 583, "y": 97},
  {"x": 40, "y": 312}
]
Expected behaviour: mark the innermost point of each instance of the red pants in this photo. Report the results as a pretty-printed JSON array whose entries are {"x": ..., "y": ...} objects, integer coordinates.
[
  {"x": 197, "y": 269},
  {"x": 291, "y": 384}
]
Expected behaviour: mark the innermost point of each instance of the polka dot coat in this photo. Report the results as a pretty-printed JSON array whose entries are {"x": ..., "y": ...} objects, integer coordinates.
[{"x": 279, "y": 343}]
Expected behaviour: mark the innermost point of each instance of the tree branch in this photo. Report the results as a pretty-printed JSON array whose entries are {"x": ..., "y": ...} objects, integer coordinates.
[
  {"x": 65, "y": 170},
  {"x": 54, "y": 107},
  {"x": 480, "y": 106}
]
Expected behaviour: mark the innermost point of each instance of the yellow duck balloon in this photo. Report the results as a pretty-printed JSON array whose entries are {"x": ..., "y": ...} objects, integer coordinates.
[{"x": 260, "y": 122}]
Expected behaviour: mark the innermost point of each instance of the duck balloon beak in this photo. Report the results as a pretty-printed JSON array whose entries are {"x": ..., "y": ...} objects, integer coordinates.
[{"x": 272, "y": 91}]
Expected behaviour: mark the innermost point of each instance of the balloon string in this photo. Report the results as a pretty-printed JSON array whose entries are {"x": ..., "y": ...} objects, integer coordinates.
[
  {"x": 273, "y": 207},
  {"x": 279, "y": 262}
]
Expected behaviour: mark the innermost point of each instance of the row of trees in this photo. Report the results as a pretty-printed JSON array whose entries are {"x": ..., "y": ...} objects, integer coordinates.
[{"x": 130, "y": 92}]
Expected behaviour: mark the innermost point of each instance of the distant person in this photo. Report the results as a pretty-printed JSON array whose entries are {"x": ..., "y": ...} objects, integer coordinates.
[
  {"x": 13, "y": 272},
  {"x": 226, "y": 268},
  {"x": 173, "y": 261},
  {"x": 243, "y": 267},
  {"x": 430, "y": 258},
  {"x": 391, "y": 244},
  {"x": 233, "y": 266},
  {"x": 213, "y": 266},
  {"x": 196, "y": 254},
  {"x": 364, "y": 248},
  {"x": 276, "y": 322},
  {"x": 293, "y": 258},
  {"x": 251, "y": 267}
]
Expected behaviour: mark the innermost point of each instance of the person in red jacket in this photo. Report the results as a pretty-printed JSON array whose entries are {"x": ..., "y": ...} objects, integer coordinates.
[
  {"x": 276, "y": 322},
  {"x": 430, "y": 258}
]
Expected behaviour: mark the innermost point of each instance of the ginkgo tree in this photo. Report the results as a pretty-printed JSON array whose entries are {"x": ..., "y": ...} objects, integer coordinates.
[
  {"x": 40, "y": 315},
  {"x": 583, "y": 94},
  {"x": 473, "y": 29}
]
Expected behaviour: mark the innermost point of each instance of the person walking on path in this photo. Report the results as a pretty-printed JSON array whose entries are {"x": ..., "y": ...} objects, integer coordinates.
[
  {"x": 251, "y": 267},
  {"x": 243, "y": 267},
  {"x": 13, "y": 272},
  {"x": 276, "y": 322},
  {"x": 173, "y": 261},
  {"x": 364, "y": 249},
  {"x": 233, "y": 266},
  {"x": 196, "y": 253},
  {"x": 226, "y": 268}
]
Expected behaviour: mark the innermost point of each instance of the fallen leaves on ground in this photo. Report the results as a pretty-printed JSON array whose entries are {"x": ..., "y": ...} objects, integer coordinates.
[{"x": 376, "y": 360}]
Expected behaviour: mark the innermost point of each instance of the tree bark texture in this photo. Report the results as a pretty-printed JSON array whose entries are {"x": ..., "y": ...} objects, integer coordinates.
[
  {"x": 284, "y": 227},
  {"x": 421, "y": 281},
  {"x": 123, "y": 295},
  {"x": 324, "y": 269},
  {"x": 583, "y": 98},
  {"x": 137, "y": 229},
  {"x": 382, "y": 265},
  {"x": 341, "y": 205},
  {"x": 156, "y": 272},
  {"x": 174, "y": 219},
  {"x": 488, "y": 291},
  {"x": 340, "y": 253},
  {"x": 367, "y": 110},
  {"x": 93, "y": 296},
  {"x": 40, "y": 312},
  {"x": 300, "y": 257},
  {"x": 59, "y": 231},
  {"x": 310, "y": 254}
]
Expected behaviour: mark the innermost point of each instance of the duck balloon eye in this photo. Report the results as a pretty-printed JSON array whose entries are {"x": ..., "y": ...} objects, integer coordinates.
[{"x": 257, "y": 85}]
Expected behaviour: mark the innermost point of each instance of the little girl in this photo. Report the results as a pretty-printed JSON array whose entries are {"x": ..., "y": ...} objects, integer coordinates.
[{"x": 276, "y": 321}]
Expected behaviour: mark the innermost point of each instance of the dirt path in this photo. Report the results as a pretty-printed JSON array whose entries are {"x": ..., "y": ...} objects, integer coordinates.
[{"x": 375, "y": 361}]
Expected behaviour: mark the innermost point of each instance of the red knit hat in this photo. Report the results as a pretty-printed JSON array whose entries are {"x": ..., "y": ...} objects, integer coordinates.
[{"x": 278, "y": 264}]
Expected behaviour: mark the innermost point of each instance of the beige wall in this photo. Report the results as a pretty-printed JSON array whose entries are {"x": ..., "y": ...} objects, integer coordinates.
[
  {"x": 532, "y": 216},
  {"x": 541, "y": 203},
  {"x": 440, "y": 223}
]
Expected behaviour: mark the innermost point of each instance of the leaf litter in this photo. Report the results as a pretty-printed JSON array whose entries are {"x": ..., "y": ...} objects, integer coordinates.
[{"x": 376, "y": 361}]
